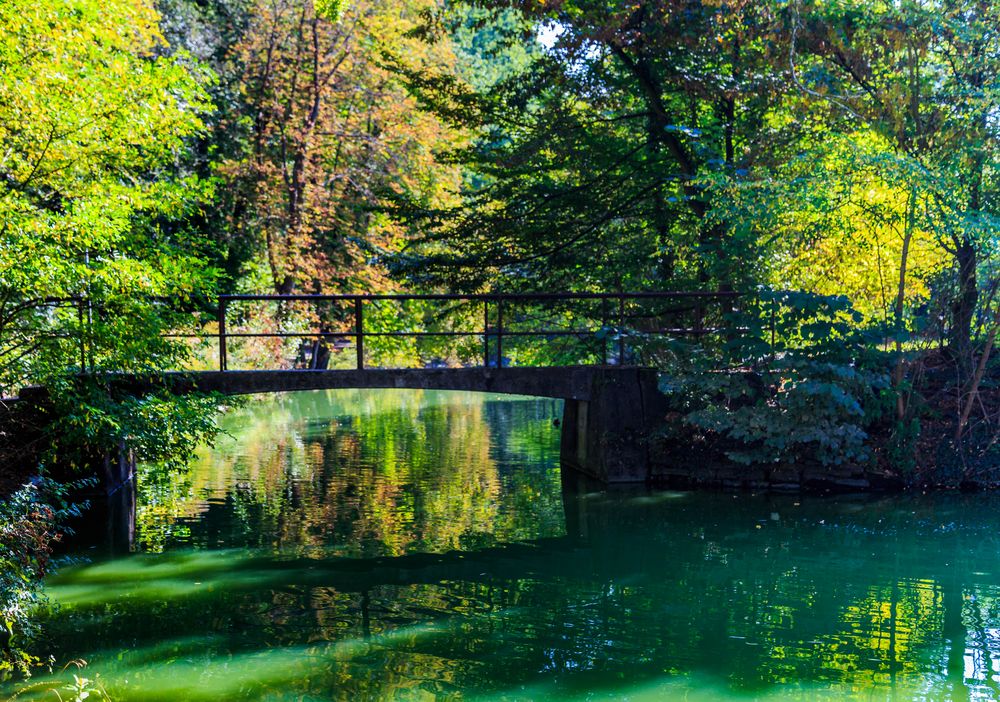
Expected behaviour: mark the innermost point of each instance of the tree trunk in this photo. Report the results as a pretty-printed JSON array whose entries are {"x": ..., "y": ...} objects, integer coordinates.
[
  {"x": 900, "y": 370},
  {"x": 977, "y": 377},
  {"x": 964, "y": 306}
]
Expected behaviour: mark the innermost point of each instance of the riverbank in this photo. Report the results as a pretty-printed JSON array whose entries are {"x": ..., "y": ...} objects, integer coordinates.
[
  {"x": 834, "y": 429},
  {"x": 728, "y": 476}
]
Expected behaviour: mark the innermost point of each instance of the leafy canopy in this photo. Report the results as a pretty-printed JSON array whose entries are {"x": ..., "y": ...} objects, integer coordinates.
[{"x": 93, "y": 118}]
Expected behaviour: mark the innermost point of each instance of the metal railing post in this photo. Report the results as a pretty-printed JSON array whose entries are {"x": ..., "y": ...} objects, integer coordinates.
[
  {"x": 83, "y": 334},
  {"x": 359, "y": 331},
  {"x": 223, "y": 360},
  {"x": 621, "y": 330},
  {"x": 499, "y": 332},
  {"x": 89, "y": 307},
  {"x": 486, "y": 333},
  {"x": 773, "y": 330},
  {"x": 604, "y": 331}
]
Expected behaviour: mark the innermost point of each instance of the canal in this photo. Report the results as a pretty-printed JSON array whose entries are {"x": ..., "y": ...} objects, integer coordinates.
[{"x": 367, "y": 545}]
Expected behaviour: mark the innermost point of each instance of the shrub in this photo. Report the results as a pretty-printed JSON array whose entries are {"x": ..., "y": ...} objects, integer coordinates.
[
  {"x": 31, "y": 520},
  {"x": 799, "y": 383}
]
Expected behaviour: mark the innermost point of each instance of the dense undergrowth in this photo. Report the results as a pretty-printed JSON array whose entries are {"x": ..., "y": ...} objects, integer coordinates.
[
  {"x": 813, "y": 385},
  {"x": 32, "y": 520}
]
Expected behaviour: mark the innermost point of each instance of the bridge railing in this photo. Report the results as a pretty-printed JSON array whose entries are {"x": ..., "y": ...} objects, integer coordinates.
[
  {"x": 491, "y": 330},
  {"x": 40, "y": 328},
  {"x": 662, "y": 329}
]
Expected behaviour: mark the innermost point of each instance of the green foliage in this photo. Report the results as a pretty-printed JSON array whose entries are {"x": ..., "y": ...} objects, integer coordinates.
[
  {"x": 807, "y": 412},
  {"x": 807, "y": 396},
  {"x": 489, "y": 43},
  {"x": 332, "y": 10},
  {"x": 30, "y": 521},
  {"x": 78, "y": 690},
  {"x": 92, "y": 118},
  {"x": 923, "y": 78},
  {"x": 90, "y": 421},
  {"x": 85, "y": 689},
  {"x": 583, "y": 171}
]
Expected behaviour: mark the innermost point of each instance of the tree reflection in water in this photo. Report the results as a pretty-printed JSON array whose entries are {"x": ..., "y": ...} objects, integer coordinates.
[{"x": 420, "y": 546}]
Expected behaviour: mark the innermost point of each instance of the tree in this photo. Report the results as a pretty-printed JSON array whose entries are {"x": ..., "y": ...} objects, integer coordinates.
[
  {"x": 595, "y": 166},
  {"x": 327, "y": 129},
  {"x": 92, "y": 119},
  {"x": 922, "y": 75}
]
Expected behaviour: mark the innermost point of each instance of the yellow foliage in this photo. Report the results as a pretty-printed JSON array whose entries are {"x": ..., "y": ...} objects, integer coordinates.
[{"x": 852, "y": 244}]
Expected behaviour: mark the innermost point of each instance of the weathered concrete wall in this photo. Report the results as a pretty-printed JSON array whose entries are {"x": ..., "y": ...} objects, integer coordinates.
[
  {"x": 685, "y": 471},
  {"x": 607, "y": 435}
]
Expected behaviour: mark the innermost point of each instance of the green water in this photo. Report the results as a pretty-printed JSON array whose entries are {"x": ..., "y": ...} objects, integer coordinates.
[{"x": 420, "y": 546}]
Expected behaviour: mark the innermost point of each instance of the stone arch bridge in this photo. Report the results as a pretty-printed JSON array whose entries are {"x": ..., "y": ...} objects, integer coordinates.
[{"x": 608, "y": 412}]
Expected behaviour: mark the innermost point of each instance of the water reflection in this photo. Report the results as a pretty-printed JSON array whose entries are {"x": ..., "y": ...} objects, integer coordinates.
[
  {"x": 365, "y": 473},
  {"x": 396, "y": 546}
]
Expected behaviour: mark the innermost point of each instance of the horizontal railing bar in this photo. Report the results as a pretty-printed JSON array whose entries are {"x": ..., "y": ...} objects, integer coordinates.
[
  {"x": 550, "y": 332},
  {"x": 643, "y": 294},
  {"x": 289, "y": 335},
  {"x": 313, "y": 335},
  {"x": 480, "y": 297}
]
